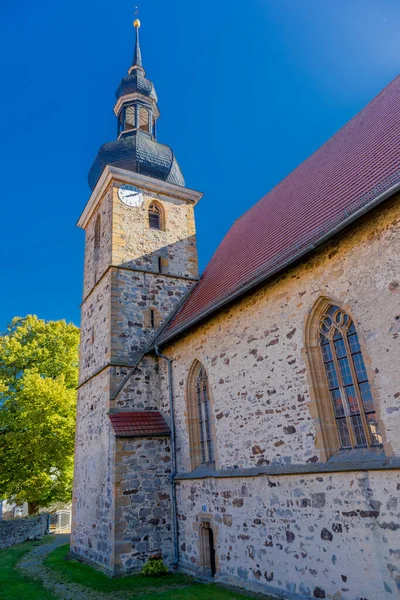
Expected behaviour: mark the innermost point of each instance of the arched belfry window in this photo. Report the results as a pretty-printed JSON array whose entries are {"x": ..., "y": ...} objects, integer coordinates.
[
  {"x": 199, "y": 412},
  {"x": 345, "y": 406},
  {"x": 156, "y": 216}
]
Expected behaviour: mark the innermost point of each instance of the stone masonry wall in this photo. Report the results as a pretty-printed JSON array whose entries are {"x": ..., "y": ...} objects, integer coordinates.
[
  {"x": 122, "y": 283},
  {"x": 133, "y": 294},
  {"x": 307, "y": 536},
  {"x": 93, "y": 270},
  {"x": 93, "y": 505},
  {"x": 135, "y": 245},
  {"x": 16, "y": 531},
  {"x": 143, "y": 502},
  {"x": 259, "y": 384},
  {"x": 95, "y": 338},
  {"x": 141, "y": 389}
]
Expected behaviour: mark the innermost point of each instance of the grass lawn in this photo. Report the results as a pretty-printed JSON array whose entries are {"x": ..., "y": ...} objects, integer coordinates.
[
  {"x": 169, "y": 587},
  {"x": 14, "y": 586}
]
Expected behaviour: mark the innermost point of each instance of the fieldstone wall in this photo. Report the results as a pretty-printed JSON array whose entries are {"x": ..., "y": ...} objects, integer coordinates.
[
  {"x": 16, "y": 531},
  {"x": 114, "y": 527},
  {"x": 143, "y": 502},
  {"x": 95, "y": 337},
  {"x": 93, "y": 506},
  {"x": 133, "y": 295},
  {"x": 305, "y": 534},
  {"x": 137, "y": 246},
  {"x": 95, "y": 267}
]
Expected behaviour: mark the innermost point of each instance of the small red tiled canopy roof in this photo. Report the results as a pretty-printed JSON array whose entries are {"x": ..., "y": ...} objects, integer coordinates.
[
  {"x": 347, "y": 173},
  {"x": 139, "y": 424}
]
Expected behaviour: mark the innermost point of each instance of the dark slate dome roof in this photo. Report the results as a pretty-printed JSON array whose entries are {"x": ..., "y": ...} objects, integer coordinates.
[
  {"x": 136, "y": 82},
  {"x": 138, "y": 152}
]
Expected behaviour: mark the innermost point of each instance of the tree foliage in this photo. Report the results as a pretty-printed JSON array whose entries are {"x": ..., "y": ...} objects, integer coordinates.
[{"x": 38, "y": 380}]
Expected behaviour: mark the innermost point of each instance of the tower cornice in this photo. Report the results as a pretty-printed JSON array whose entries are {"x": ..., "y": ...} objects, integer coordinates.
[
  {"x": 149, "y": 185},
  {"x": 136, "y": 96}
]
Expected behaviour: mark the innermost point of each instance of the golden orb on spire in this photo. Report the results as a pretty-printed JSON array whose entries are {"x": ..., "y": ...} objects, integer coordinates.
[{"x": 136, "y": 23}]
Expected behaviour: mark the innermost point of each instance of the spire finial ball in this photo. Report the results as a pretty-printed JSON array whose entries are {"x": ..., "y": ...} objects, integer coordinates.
[{"x": 136, "y": 23}]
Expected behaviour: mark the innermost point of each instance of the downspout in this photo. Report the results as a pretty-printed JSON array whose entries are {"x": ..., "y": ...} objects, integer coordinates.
[{"x": 173, "y": 455}]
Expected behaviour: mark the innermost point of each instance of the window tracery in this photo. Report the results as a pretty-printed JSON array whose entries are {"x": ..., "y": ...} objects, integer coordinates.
[
  {"x": 349, "y": 388},
  {"x": 199, "y": 412}
]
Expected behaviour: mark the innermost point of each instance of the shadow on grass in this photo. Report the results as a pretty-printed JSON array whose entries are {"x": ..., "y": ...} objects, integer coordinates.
[{"x": 169, "y": 587}]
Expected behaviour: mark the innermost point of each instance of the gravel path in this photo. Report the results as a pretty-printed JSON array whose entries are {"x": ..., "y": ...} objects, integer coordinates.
[{"x": 32, "y": 565}]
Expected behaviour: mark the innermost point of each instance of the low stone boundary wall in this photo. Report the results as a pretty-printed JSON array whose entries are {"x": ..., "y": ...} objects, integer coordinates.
[{"x": 15, "y": 531}]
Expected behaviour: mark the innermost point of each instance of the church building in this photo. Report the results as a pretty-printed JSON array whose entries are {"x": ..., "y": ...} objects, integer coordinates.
[{"x": 245, "y": 422}]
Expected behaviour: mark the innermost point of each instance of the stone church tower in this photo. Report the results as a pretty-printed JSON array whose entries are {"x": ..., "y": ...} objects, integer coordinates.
[{"x": 140, "y": 261}]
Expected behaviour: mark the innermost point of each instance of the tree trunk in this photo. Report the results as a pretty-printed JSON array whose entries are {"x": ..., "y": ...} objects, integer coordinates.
[{"x": 33, "y": 508}]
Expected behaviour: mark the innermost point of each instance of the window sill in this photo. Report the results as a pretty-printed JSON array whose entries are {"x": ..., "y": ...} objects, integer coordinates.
[
  {"x": 203, "y": 470},
  {"x": 356, "y": 455}
]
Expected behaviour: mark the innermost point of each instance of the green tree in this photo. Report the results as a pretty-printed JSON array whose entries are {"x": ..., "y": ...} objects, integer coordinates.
[{"x": 38, "y": 380}]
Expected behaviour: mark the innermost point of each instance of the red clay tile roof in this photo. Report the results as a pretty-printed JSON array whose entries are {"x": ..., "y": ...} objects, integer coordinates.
[
  {"x": 349, "y": 171},
  {"x": 139, "y": 424}
]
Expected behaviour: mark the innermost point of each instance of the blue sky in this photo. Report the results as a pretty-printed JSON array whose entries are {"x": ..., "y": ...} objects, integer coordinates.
[{"x": 247, "y": 90}]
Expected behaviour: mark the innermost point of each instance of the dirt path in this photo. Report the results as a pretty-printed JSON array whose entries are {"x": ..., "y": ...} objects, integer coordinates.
[{"x": 32, "y": 566}]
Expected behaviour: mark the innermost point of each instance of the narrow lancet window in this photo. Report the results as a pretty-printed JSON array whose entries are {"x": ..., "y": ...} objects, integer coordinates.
[
  {"x": 97, "y": 233},
  {"x": 203, "y": 407},
  {"x": 97, "y": 239}
]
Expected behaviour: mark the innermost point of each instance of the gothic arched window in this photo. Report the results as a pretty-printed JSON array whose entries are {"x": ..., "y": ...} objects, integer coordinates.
[
  {"x": 200, "y": 427},
  {"x": 346, "y": 411},
  {"x": 156, "y": 216}
]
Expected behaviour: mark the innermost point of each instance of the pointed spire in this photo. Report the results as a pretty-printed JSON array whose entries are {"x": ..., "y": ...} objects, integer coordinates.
[{"x": 137, "y": 56}]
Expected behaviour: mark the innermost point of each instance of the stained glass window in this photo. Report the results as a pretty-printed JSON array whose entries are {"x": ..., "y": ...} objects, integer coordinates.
[{"x": 347, "y": 380}]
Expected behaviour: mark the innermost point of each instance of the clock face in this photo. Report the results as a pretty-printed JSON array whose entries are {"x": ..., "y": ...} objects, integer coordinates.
[{"x": 130, "y": 195}]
